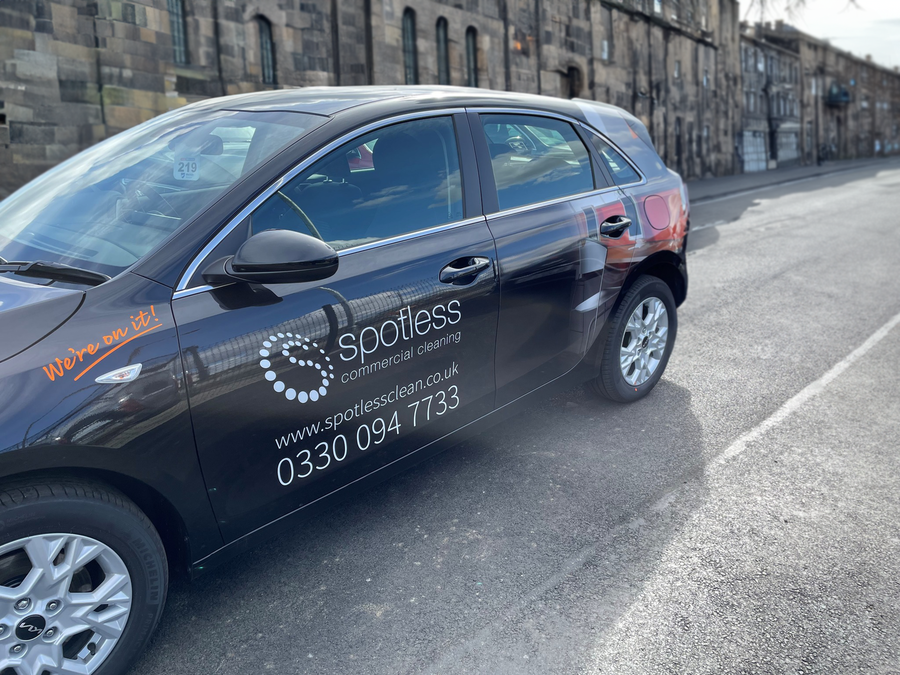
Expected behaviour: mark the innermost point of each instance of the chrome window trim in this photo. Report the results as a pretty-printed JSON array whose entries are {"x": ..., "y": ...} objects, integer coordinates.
[
  {"x": 624, "y": 155},
  {"x": 289, "y": 175},
  {"x": 409, "y": 235},
  {"x": 551, "y": 202}
]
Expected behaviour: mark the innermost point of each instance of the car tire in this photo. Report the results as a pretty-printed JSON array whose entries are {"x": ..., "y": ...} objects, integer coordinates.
[
  {"x": 626, "y": 382},
  {"x": 60, "y": 541}
]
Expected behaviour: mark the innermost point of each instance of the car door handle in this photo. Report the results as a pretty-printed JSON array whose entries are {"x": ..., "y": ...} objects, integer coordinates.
[
  {"x": 462, "y": 268},
  {"x": 615, "y": 226}
]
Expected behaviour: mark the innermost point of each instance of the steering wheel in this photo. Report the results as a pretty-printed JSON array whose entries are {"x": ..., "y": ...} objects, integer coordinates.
[
  {"x": 144, "y": 191},
  {"x": 296, "y": 209},
  {"x": 518, "y": 145}
]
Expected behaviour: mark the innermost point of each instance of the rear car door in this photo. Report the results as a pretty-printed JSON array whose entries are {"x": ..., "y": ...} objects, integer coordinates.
[
  {"x": 298, "y": 389},
  {"x": 545, "y": 200}
]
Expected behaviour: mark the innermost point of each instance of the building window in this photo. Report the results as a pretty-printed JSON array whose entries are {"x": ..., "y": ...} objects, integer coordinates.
[
  {"x": 573, "y": 83},
  {"x": 176, "y": 23},
  {"x": 604, "y": 50},
  {"x": 471, "y": 56},
  {"x": 266, "y": 50},
  {"x": 677, "y": 69},
  {"x": 657, "y": 6},
  {"x": 443, "y": 52},
  {"x": 706, "y": 78},
  {"x": 410, "y": 51}
]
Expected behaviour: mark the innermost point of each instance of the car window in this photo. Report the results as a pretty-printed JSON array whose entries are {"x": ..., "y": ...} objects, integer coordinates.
[
  {"x": 535, "y": 159},
  {"x": 108, "y": 206},
  {"x": 392, "y": 181},
  {"x": 621, "y": 171}
]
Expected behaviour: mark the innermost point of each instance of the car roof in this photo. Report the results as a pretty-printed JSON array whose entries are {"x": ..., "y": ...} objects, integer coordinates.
[{"x": 335, "y": 100}]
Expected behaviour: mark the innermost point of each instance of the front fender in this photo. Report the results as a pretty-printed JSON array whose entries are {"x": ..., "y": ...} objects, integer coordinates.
[{"x": 55, "y": 417}]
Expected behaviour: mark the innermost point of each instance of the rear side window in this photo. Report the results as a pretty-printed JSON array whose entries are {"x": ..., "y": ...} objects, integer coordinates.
[
  {"x": 535, "y": 159},
  {"x": 395, "y": 180},
  {"x": 621, "y": 171}
]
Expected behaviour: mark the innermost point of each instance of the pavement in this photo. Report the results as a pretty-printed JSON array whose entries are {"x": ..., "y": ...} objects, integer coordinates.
[
  {"x": 710, "y": 188},
  {"x": 743, "y": 518}
]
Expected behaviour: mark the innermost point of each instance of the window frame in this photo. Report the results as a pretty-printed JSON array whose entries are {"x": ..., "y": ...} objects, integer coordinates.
[
  {"x": 267, "y": 60},
  {"x": 442, "y": 33},
  {"x": 178, "y": 20},
  {"x": 491, "y": 208},
  {"x": 472, "y": 57},
  {"x": 622, "y": 154},
  {"x": 472, "y": 211},
  {"x": 409, "y": 46}
]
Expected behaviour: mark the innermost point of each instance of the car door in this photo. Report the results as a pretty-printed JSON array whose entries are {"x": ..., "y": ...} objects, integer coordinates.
[
  {"x": 546, "y": 201},
  {"x": 299, "y": 389}
]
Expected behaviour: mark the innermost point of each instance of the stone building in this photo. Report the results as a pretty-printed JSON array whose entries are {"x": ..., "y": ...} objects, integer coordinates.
[
  {"x": 73, "y": 72},
  {"x": 850, "y": 106},
  {"x": 770, "y": 134}
]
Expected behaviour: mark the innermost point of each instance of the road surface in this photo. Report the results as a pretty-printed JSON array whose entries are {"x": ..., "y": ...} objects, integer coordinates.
[{"x": 745, "y": 517}]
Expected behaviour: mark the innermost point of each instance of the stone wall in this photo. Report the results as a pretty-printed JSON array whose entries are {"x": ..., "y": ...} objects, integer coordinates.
[{"x": 73, "y": 72}]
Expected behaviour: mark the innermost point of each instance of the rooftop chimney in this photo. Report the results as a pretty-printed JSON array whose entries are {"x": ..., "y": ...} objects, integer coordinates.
[
  {"x": 868, "y": 57},
  {"x": 779, "y": 25}
]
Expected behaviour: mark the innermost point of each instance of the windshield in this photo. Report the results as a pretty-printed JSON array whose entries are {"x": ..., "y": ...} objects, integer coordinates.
[{"x": 108, "y": 206}]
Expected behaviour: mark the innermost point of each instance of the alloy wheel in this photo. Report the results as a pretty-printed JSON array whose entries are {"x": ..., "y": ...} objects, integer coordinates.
[
  {"x": 644, "y": 341},
  {"x": 64, "y": 603}
]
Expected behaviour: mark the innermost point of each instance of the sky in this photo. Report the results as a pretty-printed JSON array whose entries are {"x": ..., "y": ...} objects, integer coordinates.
[{"x": 872, "y": 27}]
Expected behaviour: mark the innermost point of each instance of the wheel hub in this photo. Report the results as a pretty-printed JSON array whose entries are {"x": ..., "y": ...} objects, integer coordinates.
[{"x": 31, "y": 627}]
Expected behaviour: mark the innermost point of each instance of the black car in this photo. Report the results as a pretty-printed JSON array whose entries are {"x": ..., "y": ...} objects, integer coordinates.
[{"x": 227, "y": 317}]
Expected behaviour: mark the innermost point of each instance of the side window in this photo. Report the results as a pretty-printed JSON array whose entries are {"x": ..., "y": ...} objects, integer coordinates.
[
  {"x": 535, "y": 159},
  {"x": 392, "y": 181},
  {"x": 619, "y": 169}
]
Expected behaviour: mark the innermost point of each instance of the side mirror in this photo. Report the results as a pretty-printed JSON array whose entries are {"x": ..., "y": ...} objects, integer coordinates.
[{"x": 275, "y": 257}]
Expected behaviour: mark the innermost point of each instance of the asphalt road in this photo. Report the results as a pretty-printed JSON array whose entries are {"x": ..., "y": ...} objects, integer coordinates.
[{"x": 745, "y": 517}]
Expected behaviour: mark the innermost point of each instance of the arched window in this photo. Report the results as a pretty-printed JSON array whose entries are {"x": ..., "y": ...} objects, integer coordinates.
[
  {"x": 443, "y": 52},
  {"x": 410, "y": 52},
  {"x": 266, "y": 50},
  {"x": 471, "y": 56},
  {"x": 176, "y": 23}
]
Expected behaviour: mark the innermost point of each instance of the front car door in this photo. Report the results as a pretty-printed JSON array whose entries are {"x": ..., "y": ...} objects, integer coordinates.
[
  {"x": 299, "y": 389},
  {"x": 546, "y": 199}
]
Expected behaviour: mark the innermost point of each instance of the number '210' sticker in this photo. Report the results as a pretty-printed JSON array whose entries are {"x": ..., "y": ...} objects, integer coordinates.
[{"x": 186, "y": 168}]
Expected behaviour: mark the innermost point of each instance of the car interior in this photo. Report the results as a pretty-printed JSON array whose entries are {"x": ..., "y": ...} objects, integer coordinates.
[{"x": 413, "y": 184}]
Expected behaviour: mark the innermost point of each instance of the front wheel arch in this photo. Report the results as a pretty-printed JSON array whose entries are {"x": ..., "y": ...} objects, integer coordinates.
[{"x": 161, "y": 513}]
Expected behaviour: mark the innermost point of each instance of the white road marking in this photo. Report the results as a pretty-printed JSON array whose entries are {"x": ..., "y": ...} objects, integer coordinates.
[{"x": 808, "y": 392}]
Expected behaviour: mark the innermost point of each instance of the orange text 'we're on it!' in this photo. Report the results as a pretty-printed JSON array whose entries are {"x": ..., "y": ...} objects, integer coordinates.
[{"x": 141, "y": 323}]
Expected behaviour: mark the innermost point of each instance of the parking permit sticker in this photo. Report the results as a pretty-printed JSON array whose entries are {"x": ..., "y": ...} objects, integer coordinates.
[{"x": 186, "y": 168}]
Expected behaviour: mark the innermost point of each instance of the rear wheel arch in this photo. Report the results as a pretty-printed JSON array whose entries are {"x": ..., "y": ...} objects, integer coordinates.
[
  {"x": 663, "y": 265},
  {"x": 162, "y": 514}
]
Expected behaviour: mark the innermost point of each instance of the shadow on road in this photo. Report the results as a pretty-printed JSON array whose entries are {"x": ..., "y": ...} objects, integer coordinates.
[
  {"x": 464, "y": 544},
  {"x": 729, "y": 209}
]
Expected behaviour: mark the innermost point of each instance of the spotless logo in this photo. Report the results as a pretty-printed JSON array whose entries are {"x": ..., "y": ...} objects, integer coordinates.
[{"x": 303, "y": 353}]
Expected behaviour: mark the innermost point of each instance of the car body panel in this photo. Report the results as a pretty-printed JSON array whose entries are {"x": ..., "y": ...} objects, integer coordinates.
[
  {"x": 379, "y": 329},
  {"x": 28, "y": 312},
  {"x": 202, "y": 427}
]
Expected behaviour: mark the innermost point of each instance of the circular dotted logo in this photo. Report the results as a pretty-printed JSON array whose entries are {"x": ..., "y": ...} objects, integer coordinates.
[{"x": 304, "y": 353}]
